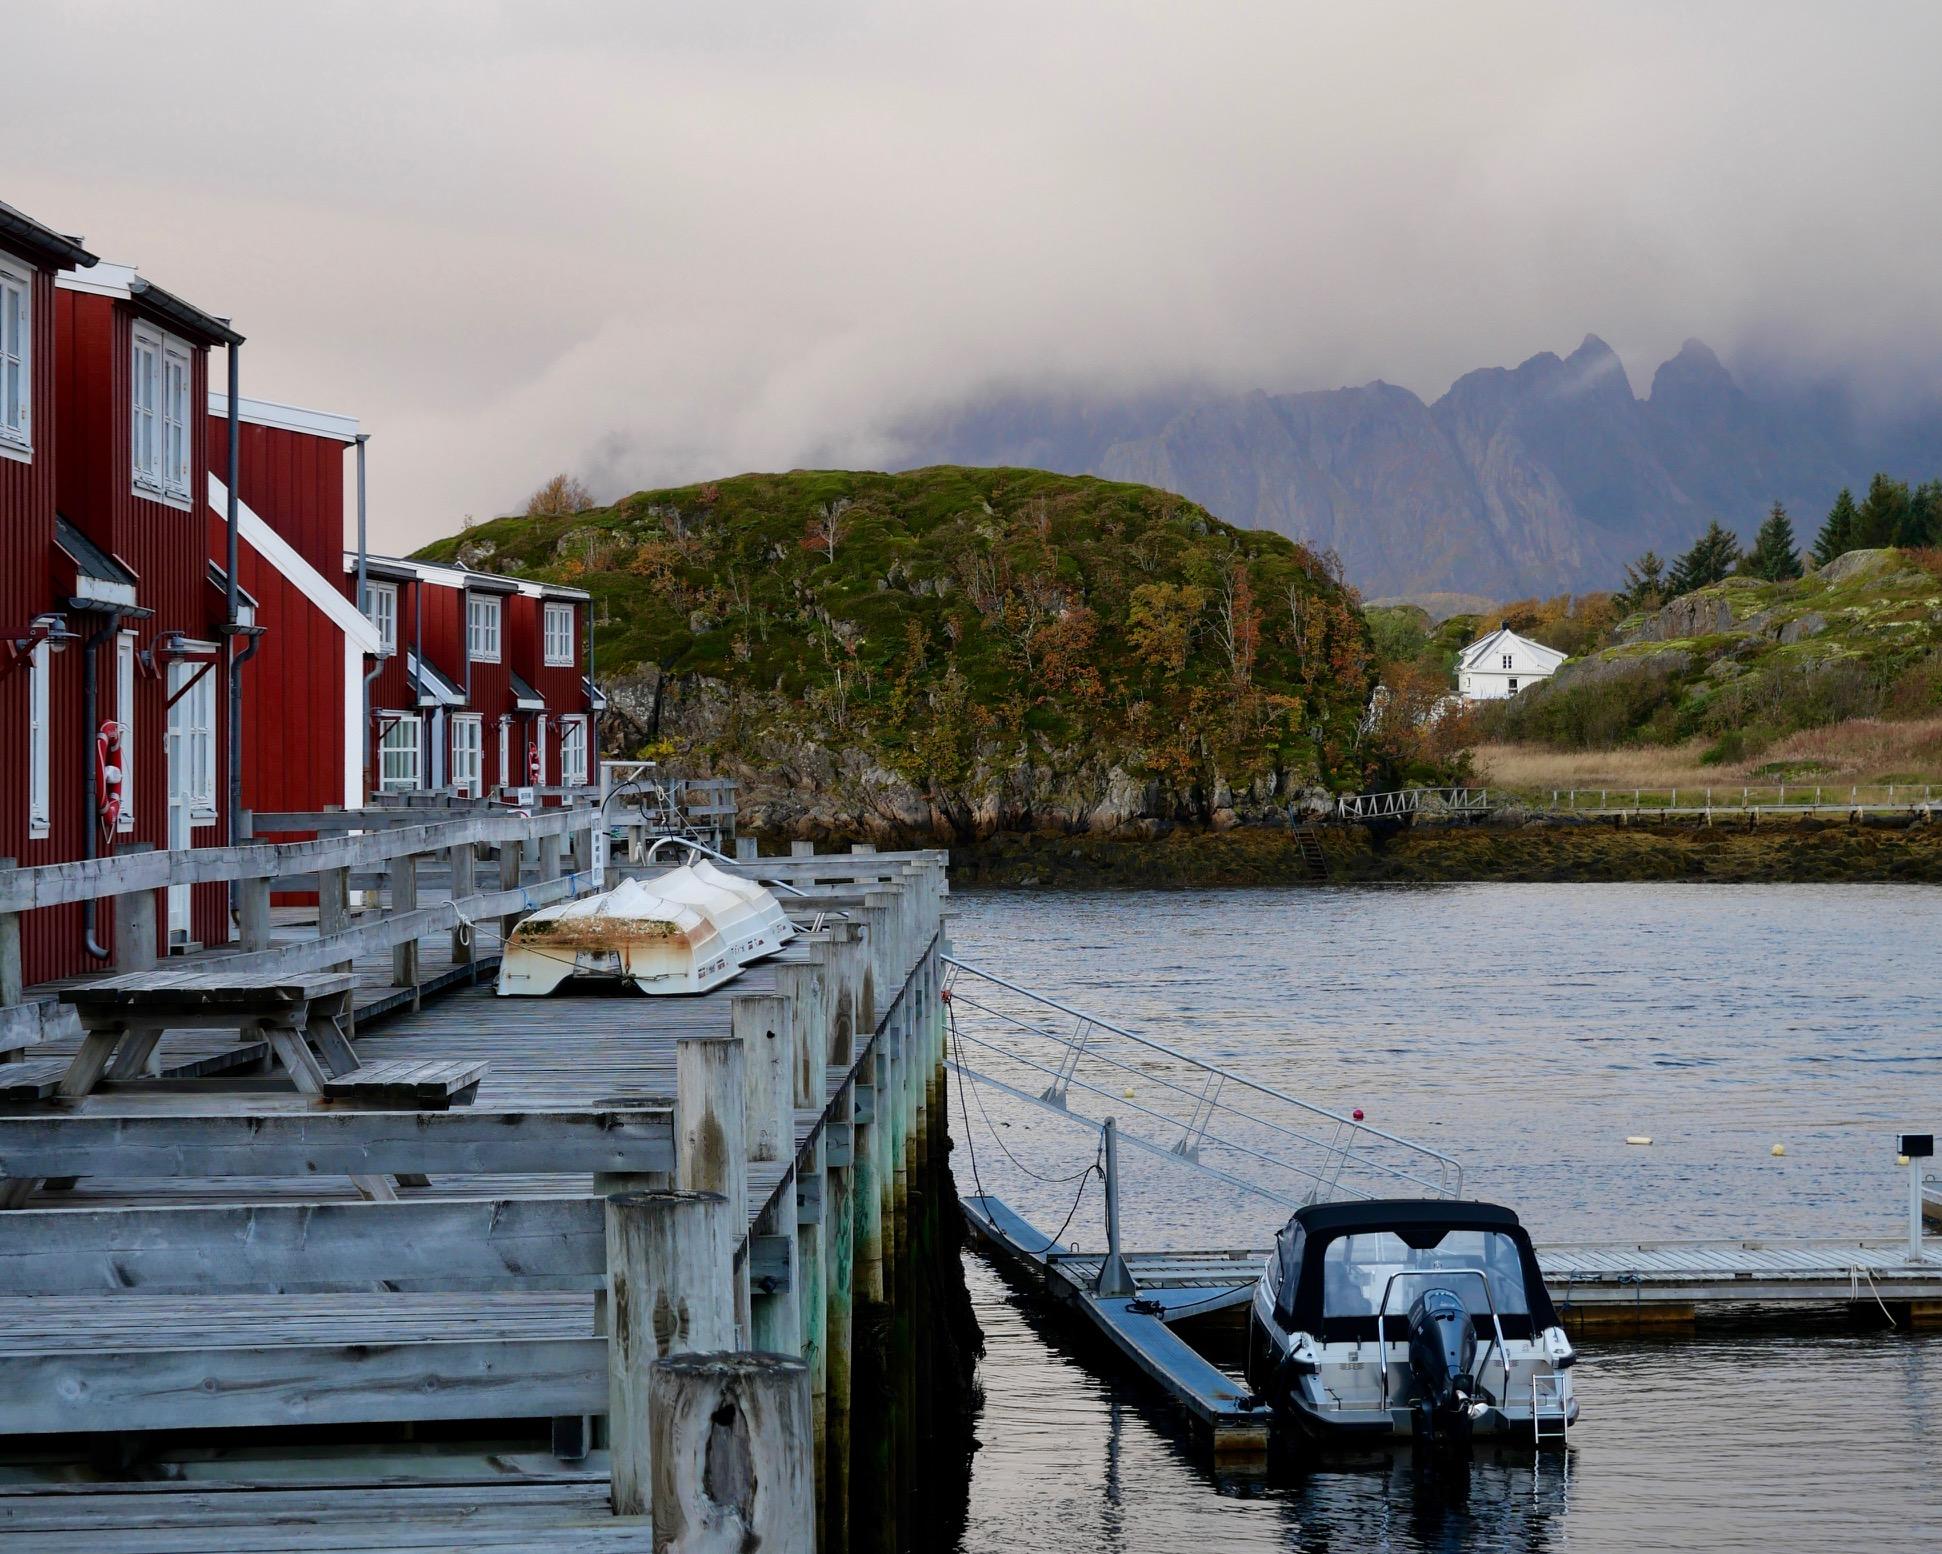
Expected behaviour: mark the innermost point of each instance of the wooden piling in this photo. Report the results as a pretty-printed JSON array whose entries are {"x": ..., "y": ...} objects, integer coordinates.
[
  {"x": 463, "y": 862},
  {"x": 404, "y": 898},
  {"x": 765, "y": 1026},
  {"x": 668, "y": 1292},
  {"x": 711, "y": 1150},
  {"x": 731, "y": 1454}
]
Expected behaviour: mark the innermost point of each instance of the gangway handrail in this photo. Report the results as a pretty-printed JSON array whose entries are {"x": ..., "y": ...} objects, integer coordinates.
[
  {"x": 1218, "y": 1139},
  {"x": 1448, "y": 1166},
  {"x": 1328, "y": 1149}
]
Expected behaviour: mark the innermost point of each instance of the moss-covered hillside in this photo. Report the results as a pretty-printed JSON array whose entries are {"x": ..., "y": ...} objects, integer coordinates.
[
  {"x": 968, "y": 649},
  {"x": 1745, "y": 662}
]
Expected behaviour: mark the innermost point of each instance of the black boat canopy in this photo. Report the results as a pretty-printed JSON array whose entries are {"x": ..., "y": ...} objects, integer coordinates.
[{"x": 1417, "y": 1222}]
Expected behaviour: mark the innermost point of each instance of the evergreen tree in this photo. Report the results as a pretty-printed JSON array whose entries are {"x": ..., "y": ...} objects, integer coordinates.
[
  {"x": 1881, "y": 515},
  {"x": 1923, "y": 525},
  {"x": 1645, "y": 585},
  {"x": 1773, "y": 556},
  {"x": 1837, "y": 534},
  {"x": 1710, "y": 559}
]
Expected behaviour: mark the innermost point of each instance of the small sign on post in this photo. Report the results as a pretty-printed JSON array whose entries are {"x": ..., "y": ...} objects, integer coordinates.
[{"x": 1915, "y": 1148}]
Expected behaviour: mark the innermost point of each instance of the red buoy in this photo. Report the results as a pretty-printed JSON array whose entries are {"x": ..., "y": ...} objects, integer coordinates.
[{"x": 1357, "y": 1114}]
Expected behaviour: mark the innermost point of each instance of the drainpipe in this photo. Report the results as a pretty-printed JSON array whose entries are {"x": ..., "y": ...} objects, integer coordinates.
[
  {"x": 364, "y": 609},
  {"x": 236, "y": 661},
  {"x": 418, "y": 637},
  {"x": 90, "y": 699}
]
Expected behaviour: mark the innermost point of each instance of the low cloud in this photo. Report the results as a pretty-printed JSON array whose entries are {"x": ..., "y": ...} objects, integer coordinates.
[{"x": 656, "y": 243}]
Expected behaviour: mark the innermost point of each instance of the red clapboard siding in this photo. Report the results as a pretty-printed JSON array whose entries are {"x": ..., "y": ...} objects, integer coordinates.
[{"x": 294, "y": 481}]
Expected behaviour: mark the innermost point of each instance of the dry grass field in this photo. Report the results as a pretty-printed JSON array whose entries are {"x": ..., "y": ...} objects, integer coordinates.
[{"x": 1860, "y": 750}]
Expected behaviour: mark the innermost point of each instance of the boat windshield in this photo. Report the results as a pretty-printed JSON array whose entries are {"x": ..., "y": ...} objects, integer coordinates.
[{"x": 1357, "y": 1268}]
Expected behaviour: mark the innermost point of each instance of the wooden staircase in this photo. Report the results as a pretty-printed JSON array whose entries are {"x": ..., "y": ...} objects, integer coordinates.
[{"x": 1308, "y": 841}]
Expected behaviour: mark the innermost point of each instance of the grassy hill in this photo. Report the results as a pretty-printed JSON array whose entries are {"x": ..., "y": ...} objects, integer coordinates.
[
  {"x": 959, "y": 650},
  {"x": 1838, "y": 672}
]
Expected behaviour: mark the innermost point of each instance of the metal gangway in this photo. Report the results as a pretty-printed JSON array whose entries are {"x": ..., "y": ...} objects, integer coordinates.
[
  {"x": 1402, "y": 803},
  {"x": 1175, "y": 1105}
]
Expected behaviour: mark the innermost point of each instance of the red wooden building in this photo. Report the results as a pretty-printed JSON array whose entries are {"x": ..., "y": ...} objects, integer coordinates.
[
  {"x": 485, "y": 686},
  {"x": 303, "y": 707},
  {"x": 114, "y": 619}
]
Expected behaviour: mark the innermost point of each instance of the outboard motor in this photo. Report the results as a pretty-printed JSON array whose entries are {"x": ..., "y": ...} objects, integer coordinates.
[{"x": 1442, "y": 1350}]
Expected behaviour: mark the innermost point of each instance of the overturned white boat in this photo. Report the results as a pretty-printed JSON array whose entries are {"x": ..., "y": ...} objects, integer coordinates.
[{"x": 682, "y": 932}]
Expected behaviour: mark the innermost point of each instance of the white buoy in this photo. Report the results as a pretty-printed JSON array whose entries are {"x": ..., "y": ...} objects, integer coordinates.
[
  {"x": 1778, "y": 1150},
  {"x": 1638, "y": 1138}
]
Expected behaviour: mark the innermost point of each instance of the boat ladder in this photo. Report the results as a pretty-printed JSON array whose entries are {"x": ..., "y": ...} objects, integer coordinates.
[{"x": 1548, "y": 1410}]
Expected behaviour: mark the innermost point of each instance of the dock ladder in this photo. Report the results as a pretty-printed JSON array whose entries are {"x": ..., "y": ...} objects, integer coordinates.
[{"x": 1548, "y": 1409}]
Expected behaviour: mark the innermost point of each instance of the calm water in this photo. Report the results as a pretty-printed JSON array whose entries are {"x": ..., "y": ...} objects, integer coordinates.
[{"x": 1526, "y": 1029}]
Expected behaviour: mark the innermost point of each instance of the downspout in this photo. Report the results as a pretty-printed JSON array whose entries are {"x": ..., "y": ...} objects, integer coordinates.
[
  {"x": 418, "y": 696},
  {"x": 465, "y": 636},
  {"x": 90, "y": 700},
  {"x": 364, "y": 609},
  {"x": 236, "y": 660},
  {"x": 593, "y": 706}
]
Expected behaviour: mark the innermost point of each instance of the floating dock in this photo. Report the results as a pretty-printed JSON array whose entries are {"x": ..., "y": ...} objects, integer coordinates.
[{"x": 1612, "y": 1288}]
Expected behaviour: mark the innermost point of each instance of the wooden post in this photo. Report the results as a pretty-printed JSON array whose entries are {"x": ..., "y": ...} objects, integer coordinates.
[
  {"x": 404, "y": 898},
  {"x": 733, "y": 1464},
  {"x": 839, "y": 1244},
  {"x": 745, "y": 849},
  {"x": 463, "y": 862},
  {"x": 711, "y": 1148},
  {"x": 668, "y": 1292},
  {"x": 13, "y": 982},
  {"x": 511, "y": 864},
  {"x": 549, "y": 856},
  {"x": 802, "y": 849}
]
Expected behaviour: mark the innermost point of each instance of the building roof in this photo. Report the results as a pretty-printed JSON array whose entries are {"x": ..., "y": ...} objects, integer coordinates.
[
  {"x": 596, "y": 698},
  {"x": 122, "y": 281},
  {"x": 285, "y": 418},
  {"x": 452, "y": 574},
  {"x": 255, "y": 532},
  {"x": 1472, "y": 657},
  {"x": 20, "y": 230},
  {"x": 431, "y": 684},
  {"x": 100, "y": 581}
]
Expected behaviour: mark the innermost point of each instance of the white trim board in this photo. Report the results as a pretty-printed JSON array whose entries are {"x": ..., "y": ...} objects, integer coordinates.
[
  {"x": 276, "y": 550},
  {"x": 285, "y": 418}
]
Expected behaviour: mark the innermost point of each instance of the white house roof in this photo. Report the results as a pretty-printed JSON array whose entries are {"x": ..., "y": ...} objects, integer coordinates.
[
  {"x": 273, "y": 548},
  {"x": 1503, "y": 639},
  {"x": 288, "y": 418}
]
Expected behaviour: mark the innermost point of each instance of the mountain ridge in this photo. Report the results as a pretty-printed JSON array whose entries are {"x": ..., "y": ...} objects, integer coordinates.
[{"x": 1538, "y": 478}]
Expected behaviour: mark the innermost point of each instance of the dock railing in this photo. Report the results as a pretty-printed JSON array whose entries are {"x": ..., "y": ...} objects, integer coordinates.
[
  {"x": 1256, "y": 1138},
  {"x": 393, "y": 857}
]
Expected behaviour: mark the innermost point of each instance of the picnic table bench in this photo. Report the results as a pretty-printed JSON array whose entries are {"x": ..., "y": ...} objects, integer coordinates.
[{"x": 302, "y": 1019}]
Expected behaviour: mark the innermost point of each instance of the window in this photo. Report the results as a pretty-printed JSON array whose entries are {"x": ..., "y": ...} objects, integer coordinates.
[
  {"x": 505, "y": 752},
  {"x": 125, "y": 716},
  {"x": 1357, "y": 1269},
  {"x": 192, "y": 730},
  {"x": 159, "y": 429},
  {"x": 1513, "y": 682},
  {"x": 16, "y": 356},
  {"x": 468, "y": 734},
  {"x": 1507, "y": 660},
  {"x": 559, "y": 635},
  {"x": 39, "y": 787},
  {"x": 398, "y": 753},
  {"x": 482, "y": 628},
  {"x": 573, "y": 752},
  {"x": 381, "y": 609}
]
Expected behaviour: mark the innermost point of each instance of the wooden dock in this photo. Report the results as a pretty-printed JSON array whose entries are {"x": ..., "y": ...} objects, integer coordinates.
[
  {"x": 1613, "y": 1288},
  {"x": 394, "y": 1323}
]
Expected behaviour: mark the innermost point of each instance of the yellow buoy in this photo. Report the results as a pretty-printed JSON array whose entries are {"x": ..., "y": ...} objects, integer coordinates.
[
  {"x": 1638, "y": 1138},
  {"x": 1901, "y": 1160},
  {"x": 1129, "y": 1095},
  {"x": 1779, "y": 1150}
]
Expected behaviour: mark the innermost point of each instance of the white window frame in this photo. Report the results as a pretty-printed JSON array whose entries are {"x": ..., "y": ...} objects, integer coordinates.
[
  {"x": 381, "y": 610},
  {"x": 1513, "y": 685},
  {"x": 505, "y": 750},
  {"x": 192, "y": 718},
  {"x": 558, "y": 646},
  {"x": 468, "y": 753},
  {"x": 539, "y": 747},
  {"x": 1509, "y": 661},
  {"x": 40, "y": 815},
  {"x": 161, "y": 428},
  {"x": 482, "y": 620},
  {"x": 125, "y": 716},
  {"x": 17, "y": 359},
  {"x": 402, "y": 736},
  {"x": 573, "y": 752}
]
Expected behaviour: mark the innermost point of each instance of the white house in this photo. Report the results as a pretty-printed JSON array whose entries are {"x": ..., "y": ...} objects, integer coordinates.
[{"x": 1501, "y": 664}]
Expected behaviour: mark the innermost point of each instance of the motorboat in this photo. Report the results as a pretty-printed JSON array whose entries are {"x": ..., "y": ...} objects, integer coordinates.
[
  {"x": 1424, "y": 1318},
  {"x": 632, "y": 933}
]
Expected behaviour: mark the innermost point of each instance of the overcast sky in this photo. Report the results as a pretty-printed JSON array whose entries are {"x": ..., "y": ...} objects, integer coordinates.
[{"x": 655, "y": 243}]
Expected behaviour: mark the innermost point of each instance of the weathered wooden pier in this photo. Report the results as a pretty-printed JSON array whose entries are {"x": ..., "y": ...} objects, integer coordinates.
[{"x": 318, "y": 1243}]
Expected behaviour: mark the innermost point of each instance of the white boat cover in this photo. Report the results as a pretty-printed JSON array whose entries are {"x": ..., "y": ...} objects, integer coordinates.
[
  {"x": 685, "y": 931},
  {"x": 629, "y": 933}
]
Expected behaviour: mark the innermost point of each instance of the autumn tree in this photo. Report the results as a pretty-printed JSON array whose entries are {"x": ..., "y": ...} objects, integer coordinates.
[
  {"x": 828, "y": 527},
  {"x": 1160, "y": 622},
  {"x": 562, "y": 494}
]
